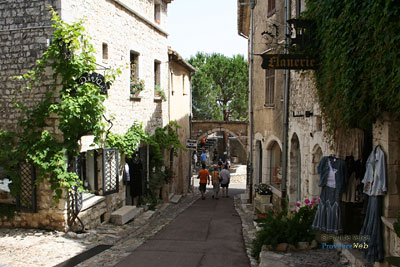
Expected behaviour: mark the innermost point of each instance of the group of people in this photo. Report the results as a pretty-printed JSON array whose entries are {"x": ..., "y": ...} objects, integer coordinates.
[{"x": 220, "y": 178}]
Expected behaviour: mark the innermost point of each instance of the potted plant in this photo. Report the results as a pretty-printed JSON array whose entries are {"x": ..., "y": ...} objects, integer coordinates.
[
  {"x": 159, "y": 92},
  {"x": 136, "y": 85},
  {"x": 263, "y": 192}
]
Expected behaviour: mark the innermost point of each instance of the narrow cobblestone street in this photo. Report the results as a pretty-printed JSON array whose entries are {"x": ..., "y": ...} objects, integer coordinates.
[{"x": 24, "y": 247}]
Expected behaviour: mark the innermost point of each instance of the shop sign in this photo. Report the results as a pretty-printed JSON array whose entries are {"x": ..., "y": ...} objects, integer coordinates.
[
  {"x": 288, "y": 61},
  {"x": 95, "y": 78}
]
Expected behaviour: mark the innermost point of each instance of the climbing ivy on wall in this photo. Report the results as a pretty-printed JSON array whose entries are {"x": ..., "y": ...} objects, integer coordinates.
[
  {"x": 162, "y": 142},
  {"x": 129, "y": 142},
  {"x": 358, "y": 46},
  {"x": 78, "y": 108}
]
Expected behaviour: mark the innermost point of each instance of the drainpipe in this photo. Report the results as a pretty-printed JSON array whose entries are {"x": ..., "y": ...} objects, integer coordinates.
[
  {"x": 252, "y": 5},
  {"x": 285, "y": 125},
  {"x": 190, "y": 134}
]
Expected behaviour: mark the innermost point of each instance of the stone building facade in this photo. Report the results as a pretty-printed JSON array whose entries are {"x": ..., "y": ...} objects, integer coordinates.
[
  {"x": 308, "y": 138},
  {"x": 268, "y": 95},
  {"x": 180, "y": 111},
  {"x": 126, "y": 35}
]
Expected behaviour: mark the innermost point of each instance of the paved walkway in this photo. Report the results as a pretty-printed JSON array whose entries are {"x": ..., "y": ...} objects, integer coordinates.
[
  {"x": 208, "y": 233},
  {"x": 193, "y": 232}
]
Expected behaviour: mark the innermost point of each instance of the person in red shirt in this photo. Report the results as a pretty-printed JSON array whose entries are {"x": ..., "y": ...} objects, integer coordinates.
[{"x": 204, "y": 177}]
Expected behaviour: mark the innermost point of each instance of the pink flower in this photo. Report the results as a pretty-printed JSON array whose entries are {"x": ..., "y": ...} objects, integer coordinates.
[
  {"x": 294, "y": 210},
  {"x": 298, "y": 204},
  {"x": 306, "y": 201},
  {"x": 312, "y": 202}
]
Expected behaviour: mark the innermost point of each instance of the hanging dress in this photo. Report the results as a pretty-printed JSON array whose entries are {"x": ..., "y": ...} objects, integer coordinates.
[
  {"x": 332, "y": 182},
  {"x": 375, "y": 187}
]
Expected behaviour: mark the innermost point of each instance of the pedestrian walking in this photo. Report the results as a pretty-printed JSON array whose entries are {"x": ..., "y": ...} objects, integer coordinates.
[
  {"x": 215, "y": 179},
  {"x": 204, "y": 177},
  {"x": 220, "y": 164},
  {"x": 203, "y": 157},
  {"x": 226, "y": 178},
  {"x": 195, "y": 159},
  {"x": 203, "y": 142},
  {"x": 215, "y": 155}
]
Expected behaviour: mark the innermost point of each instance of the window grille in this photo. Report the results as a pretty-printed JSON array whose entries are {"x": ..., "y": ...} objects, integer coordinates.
[
  {"x": 76, "y": 197},
  {"x": 27, "y": 200},
  {"x": 110, "y": 171}
]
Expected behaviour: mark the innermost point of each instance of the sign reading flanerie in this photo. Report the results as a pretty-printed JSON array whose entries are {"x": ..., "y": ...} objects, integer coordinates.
[{"x": 288, "y": 61}]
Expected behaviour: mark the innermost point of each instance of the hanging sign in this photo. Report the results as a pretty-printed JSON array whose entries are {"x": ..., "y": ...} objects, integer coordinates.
[
  {"x": 288, "y": 61},
  {"x": 191, "y": 144},
  {"x": 95, "y": 78}
]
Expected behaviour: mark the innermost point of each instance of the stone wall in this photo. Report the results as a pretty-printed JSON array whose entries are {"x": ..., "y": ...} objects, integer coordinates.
[
  {"x": 109, "y": 22},
  {"x": 386, "y": 133},
  {"x": 267, "y": 116},
  {"x": 25, "y": 32},
  {"x": 179, "y": 110}
]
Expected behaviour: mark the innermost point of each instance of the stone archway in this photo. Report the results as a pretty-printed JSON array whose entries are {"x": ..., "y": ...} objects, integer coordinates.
[
  {"x": 294, "y": 171},
  {"x": 237, "y": 129},
  {"x": 274, "y": 164}
]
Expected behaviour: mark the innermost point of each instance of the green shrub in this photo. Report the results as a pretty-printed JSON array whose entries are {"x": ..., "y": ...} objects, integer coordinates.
[{"x": 286, "y": 228}]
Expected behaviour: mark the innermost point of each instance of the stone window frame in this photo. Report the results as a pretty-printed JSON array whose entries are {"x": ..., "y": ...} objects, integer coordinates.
[
  {"x": 104, "y": 50},
  {"x": 134, "y": 64},
  {"x": 157, "y": 72},
  {"x": 183, "y": 84},
  {"x": 157, "y": 11},
  {"x": 269, "y": 88}
]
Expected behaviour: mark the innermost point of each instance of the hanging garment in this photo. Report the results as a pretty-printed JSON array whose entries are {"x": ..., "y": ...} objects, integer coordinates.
[
  {"x": 375, "y": 187},
  {"x": 372, "y": 227},
  {"x": 126, "y": 175},
  {"x": 332, "y": 180},
  {"x": 375, "y": 175}
]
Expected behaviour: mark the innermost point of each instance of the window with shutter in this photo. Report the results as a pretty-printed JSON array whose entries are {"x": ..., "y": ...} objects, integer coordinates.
[
  {"x": 269, "y": 87},
  {"x": 271, "y": 7}
]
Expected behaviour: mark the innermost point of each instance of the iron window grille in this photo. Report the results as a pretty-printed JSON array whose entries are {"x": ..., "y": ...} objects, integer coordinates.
[
  {"x": 110, "y": 171},
  {"x": 76, "y": 196},
  {"x": 27, "y": 198}
]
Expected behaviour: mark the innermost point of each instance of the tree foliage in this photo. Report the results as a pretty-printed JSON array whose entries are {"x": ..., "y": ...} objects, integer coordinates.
[
  {"x": 358, "y": 46},
  {"x": 220, "y": 87}
]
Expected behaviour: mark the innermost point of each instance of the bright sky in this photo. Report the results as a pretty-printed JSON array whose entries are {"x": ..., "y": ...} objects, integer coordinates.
[{"x": 204, "y": 25}]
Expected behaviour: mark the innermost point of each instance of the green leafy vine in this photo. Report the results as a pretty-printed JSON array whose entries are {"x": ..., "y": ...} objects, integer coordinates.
[
  {"x": 358, "y": 76},
  {"x": 130, "y": 141},
  {"x": 72, "y": 108},
  {"x": 164, "y": 140}
]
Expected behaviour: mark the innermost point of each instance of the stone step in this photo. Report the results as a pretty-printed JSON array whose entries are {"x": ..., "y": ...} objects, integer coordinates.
[
  {"x": 244, "y": 198},
  {"x": 125, "y": 214},
  {"x": 176, "y": 198}
]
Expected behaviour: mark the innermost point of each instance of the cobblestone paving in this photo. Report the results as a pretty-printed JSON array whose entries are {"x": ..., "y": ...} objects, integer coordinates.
[
  {"x": 25, "y": 247},
  {"x": 31, "y": 248}
]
